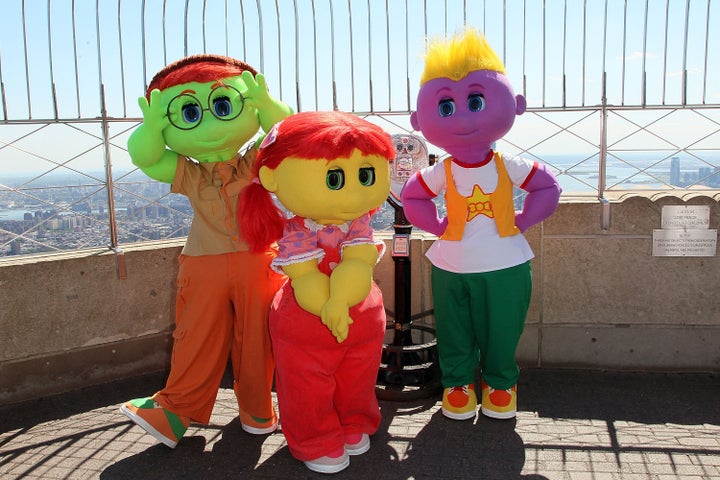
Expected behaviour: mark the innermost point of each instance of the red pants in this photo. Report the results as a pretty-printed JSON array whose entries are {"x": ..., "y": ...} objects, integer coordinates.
[
  {"x": 222, "y": 307},
  {"x": 325, "y": 389}
]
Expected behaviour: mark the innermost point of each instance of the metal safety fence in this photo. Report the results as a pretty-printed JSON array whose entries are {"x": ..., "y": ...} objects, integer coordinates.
[{"x": 623, "y": 95}]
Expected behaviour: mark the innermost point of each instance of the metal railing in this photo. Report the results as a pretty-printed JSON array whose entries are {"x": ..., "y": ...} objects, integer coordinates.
[{"x": 622, "y": 95}]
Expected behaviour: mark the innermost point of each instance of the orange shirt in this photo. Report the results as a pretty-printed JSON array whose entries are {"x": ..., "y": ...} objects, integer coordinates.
[{"x": 213, "y": 190}]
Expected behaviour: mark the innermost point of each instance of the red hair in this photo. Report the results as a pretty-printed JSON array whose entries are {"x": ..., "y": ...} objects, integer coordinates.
[
  {"x": 307, "y": 135},
  {"x": 200, "y": 68}
]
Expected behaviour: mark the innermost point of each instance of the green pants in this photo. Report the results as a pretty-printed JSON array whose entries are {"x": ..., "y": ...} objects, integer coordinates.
[{"x": 479, "y": 318}]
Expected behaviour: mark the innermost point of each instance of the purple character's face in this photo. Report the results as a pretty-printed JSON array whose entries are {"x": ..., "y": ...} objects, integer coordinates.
[{"x": 468, "y": 114}]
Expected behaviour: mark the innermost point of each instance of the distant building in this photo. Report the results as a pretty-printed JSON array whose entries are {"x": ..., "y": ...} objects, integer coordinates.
[{"x": 675, "y": 171}]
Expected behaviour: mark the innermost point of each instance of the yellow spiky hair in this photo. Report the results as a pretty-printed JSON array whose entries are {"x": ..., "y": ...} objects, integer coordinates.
[{"x": 455, "y": 57}]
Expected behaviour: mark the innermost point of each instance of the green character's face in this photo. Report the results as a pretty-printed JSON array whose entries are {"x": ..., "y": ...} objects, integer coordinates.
[{"x": 209, "y": 121}]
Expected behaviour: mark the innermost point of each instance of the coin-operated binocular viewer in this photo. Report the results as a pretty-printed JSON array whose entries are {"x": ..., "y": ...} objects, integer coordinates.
[{"x": 409, "y": 366}]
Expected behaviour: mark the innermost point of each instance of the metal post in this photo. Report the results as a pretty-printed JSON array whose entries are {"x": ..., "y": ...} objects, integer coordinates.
[{"x": 119, "y": 254}]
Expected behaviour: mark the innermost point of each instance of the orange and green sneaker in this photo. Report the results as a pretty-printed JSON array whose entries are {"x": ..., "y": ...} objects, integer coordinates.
[
  {"x": 257, "y": 425},
  {"x": 157, "y": 421},
  {"x": 500, "y": 404},
  {"x": 459, "y": 403}
]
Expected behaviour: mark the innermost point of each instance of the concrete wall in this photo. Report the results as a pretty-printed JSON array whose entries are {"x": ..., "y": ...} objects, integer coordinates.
[{"x": 600, "y": 300}]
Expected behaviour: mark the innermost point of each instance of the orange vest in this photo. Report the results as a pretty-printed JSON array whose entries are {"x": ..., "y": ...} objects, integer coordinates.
[{"x": 501, "y": 201}]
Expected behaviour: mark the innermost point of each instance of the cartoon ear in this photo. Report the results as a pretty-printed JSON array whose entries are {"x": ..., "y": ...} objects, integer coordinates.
[
  {"x": 521, "y": 105},
  {"x": 267, "y": 178},
  {"x": 414, "y": 121}
]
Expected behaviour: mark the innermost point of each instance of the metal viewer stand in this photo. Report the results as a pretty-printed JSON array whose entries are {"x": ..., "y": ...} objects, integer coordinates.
[{"x": 409, "y": 367}]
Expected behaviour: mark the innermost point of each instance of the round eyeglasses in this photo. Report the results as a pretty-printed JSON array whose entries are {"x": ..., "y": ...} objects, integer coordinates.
[{"x": 224, "y": 102}]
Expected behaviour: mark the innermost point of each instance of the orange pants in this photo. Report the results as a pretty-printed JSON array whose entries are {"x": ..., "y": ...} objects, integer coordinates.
[{"x": 222, "y": 309}]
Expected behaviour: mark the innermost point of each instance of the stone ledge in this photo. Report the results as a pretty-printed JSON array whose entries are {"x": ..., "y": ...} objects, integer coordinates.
[{"x": 65, "y": 371}]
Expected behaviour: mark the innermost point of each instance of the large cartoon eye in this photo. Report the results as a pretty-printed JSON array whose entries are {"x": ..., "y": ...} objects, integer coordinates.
[
  {"x": 366, "y": 175},
  {"x": 446, "y": 108},
  {"x": 476, "y": 102},
  {"x": 226, "y": 103},
  {"x": 191, "y": 113},
  {"x": 335, "y": 179},
  {"x": 222, "y": 107}
]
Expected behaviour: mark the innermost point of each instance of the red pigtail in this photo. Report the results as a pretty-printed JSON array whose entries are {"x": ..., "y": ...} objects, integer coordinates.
[{"x": 260, "y": 220}]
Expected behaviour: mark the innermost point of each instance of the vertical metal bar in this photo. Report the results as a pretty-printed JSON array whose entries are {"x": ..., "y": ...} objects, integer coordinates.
[
  {"x": 484, "y": 15},
  {"x": 75, "y": 61},
  {"x": 99, "y": 51},
  {"x": 643, "y": 86},
  {"x": 564, "y": 56},
  {"x": 602, "y": 160},
  {"x": 685, "y": 49},
  {"x": 227, "y": 30},
  {"x": 445, "y": 18},
  {"x": 705, "y": 67},
  {"x": 2, "y": 92},
  {"x": 262, "y": 40},
  {"x": 164, "y": 40},
  {"x": 332, "y": 56},
  {"x": 604, "y": 48},
  {"x": 279, "y": 47},
  {"x": 121, "y": 61},
  {"x": 544, "y": 47},
  {"x": 387, "y": 44},
  {"x": 524, "y": 49},
  {"x": 50, "y": 63},
  {"x": 244, "y": 30},
  {"x": 584, "y": 51},
  {"x": 352, "y": 58},
  {"x": 315, "y": 52},
  {"x": 204, "y": 23},
  {"x": 504, "y": 30},
  {"x": 185, "y": 26},
  {"x": 112, "y": 218},
  {"x": 27, "y": 68},
  {"x": 624, "y": 55},
  {"x": 143, "y": 54},
  {"x": 297, "y": 52},
  {"x": 425, "y": 17},
  {"x": 665, "y": 49},
  {"x": 407, "y": 57},
  {"x": 369, "y": 52}
]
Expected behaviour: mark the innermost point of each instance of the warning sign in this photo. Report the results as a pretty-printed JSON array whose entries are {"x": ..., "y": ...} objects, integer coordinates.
[{"x": 684, "y": 243}]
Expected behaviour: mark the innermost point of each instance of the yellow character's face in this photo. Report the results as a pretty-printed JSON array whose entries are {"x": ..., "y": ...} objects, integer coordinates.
[{"x": 330, "y": 192}]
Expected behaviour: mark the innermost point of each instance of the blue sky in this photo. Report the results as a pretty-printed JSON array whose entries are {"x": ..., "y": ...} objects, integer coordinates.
[
  {"x": 370, "y": 50},
  {"x": 542, "y": 42}
]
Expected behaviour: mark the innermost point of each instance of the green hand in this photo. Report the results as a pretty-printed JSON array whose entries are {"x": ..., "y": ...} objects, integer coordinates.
[
  {"x": 154, "y": 113},
  {"x": 146, "y": 145},
  {"x": 269, "y": 110},
  {"x": 257, "y": 95}
]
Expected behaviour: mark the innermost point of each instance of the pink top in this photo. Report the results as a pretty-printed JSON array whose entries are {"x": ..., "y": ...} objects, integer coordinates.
[{"x": 304, "y": 239}]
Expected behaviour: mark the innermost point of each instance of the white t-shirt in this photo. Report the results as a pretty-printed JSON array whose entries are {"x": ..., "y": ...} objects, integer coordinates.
[{"x": 481, "y": 249}]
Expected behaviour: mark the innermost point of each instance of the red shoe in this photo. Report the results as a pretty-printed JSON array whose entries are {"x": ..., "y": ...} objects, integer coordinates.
[
  {"x": 459, "y": 403},
  {"x": 500, "y": 404}
]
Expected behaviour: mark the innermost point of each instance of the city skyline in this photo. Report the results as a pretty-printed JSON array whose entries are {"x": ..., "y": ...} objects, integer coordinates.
[{"x": 67, "y": 216}]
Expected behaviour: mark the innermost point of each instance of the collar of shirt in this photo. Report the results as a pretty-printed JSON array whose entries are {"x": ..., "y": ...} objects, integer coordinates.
[{"x": 313, "y": 226}]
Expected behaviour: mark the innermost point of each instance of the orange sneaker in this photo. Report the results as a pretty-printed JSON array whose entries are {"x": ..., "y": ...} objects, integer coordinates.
[
  {"x": 500, "y": 404},
  {"x": 154, "y": 419},
  {"x": 256, "y": 425},
  {"x": 459, "y": 403}
]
